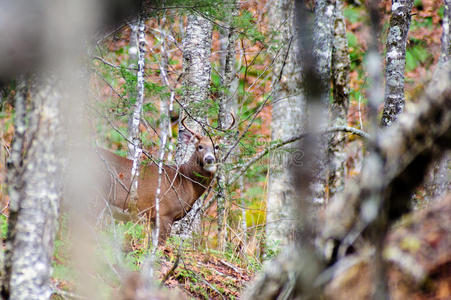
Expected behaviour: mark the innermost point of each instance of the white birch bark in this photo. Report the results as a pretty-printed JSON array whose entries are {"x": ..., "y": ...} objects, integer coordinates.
[
  {"x": 135, "y": 149},
  {"x": 395, "y": 60},
  {"x": 338, "y": 109},
  {"x": 64, "y": 30},
  {"x": 446, "y": 33},
  {"x": 36, "y": 203},
  {"x": 166, "y": 105},
  {"x": 288, "y": 117},
  {"x": 196, "y": 84},
  {"x": 148, "y": 268},
  {"x": 134, "y": 45},
  {"x": 323, "y": 39},
  {"x": 14, "y": 179}
]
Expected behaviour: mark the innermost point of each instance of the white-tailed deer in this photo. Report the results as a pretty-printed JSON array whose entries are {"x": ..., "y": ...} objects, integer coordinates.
[{"x": 180, "y": 187}]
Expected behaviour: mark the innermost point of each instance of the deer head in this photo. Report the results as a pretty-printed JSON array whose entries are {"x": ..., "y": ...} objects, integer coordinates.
[{"x": 205, "y": 149}]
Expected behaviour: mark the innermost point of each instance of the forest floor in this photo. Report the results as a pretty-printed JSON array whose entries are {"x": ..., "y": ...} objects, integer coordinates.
[
  {"x": 204, "y": 275},
  {"x": 189, "y": 271}
]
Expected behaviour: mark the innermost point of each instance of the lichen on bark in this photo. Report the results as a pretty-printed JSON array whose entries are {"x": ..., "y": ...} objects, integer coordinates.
[
  {"x": 396, "y": 60},
  {"x": 29, "y": 248}
]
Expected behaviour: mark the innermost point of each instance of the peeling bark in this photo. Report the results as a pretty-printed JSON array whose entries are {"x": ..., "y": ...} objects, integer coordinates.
[{"x": 395, "y": 60}]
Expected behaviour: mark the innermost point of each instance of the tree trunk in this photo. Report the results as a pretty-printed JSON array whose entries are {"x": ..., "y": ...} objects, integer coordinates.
[
  {"x": 134, "y": 147},
  {"x": 288, "y": 117},
  {"x": 323, "y": 35},
  {"x": 383, "y": 191},
  {"x": 438, "y": 183},
  {"x": 293, "y": 273},
  {"x": 227, "y": 105},
  {"x": 33, "y": 222},
  {"x": 396, "y": 60},
  {"x": 338, "y": 110},
  {"x": 196, "y": 84}
]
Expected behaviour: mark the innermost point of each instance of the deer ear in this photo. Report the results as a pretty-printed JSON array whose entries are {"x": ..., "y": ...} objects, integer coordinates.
[{"x": 186, "y": 136}]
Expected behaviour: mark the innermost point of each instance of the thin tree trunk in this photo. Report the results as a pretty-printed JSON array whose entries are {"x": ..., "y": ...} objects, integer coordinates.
[
  {"x": 196, "y": 84},
  {"x": 34, "y": 213},
  {"x": 166, "y": 105},
  {"x": 288, "y": 118},
  {"x": 446, "y": 34},
  {"x": 133, "y": 50},
  {"x": 338, "y": 110},
  {"x": 323, "y": 39},
  {"x": 395, "y": 61},
  {"x": 148, "y": 268},
  {"x": 135, "y": 149},
  {"x": 227, "y": 105},
  {"x": 374, "y": 68},
  {"x": 439, "y": 181},
  {"x": 323, "y": 42},
  {"x": 14, "y": 179}
]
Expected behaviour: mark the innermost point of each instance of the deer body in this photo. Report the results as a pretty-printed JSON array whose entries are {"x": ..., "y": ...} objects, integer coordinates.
[{"x": 180, "y": 188}]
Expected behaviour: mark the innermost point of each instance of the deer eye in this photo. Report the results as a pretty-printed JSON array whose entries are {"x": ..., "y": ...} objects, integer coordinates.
[
  {"x": 200, "y": 147},
  {"x": 217, "y": 147}
]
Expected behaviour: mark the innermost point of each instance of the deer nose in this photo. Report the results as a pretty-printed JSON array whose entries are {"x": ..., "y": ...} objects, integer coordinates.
[{"x": 209, "y": 160}]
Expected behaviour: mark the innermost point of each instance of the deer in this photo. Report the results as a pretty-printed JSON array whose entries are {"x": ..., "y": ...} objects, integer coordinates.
[{"x": 180, "y": 185}]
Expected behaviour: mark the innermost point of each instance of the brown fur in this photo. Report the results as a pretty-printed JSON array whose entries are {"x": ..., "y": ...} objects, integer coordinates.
[{"x": 179, "y": 188}]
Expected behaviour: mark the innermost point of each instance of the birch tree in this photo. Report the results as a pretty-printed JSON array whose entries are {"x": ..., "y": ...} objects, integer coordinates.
[
  {"x": 338, "y": 109},
  {"x": 293, "y": 273},
  {"x": 40, "y": 167},
  {"x": 196, "y": 83},
  {"x": 395, "y": 61},
  {"x": 134, "y": 148},
  {"x": 288, "y": 117},
  {"x": 35, "y": 197}
]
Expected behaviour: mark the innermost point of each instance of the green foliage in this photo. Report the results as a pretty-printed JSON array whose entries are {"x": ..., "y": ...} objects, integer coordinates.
[
  {"x": 354, "y": 14},
  {"x": 272, "y": 249},
  {"x": 136, "y": 231},
  {"x": 3, "y": 226},
  {"x": 135, "y": 238},
  {"x": 417, "y": 23},
  {"x": 61, "y": 249},
  {"x": 246, "y": 23},
  {"x": 416, "y": 55},
  {"x": 355, "y": 51}
]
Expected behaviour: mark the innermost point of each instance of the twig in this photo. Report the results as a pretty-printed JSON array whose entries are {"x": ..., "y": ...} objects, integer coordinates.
[
  {"x": 66, "y": 294},
  {"x": 243, "y": 168},
  {"x": 111, "y": 64},
  {"x": 174, "y": 266}
]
